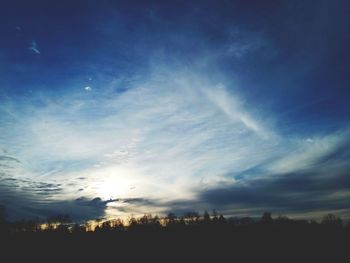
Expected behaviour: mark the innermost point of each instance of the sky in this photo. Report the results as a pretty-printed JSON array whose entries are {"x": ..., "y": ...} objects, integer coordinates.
[{"x": 119, "y": 108}]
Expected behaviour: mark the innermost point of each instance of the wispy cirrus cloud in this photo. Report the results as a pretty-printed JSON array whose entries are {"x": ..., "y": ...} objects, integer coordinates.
[
  {"x": 173, "y": 140},
  {"x": 162, "y": 138}
]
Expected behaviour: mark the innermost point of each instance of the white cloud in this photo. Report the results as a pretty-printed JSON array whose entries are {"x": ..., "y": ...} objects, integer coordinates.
[
  {"x": 168, "y": 135},
  {"x": 304, "y": 154},
  {"x": 232, "y": 108},
  {"x": 34, "y": 47}
]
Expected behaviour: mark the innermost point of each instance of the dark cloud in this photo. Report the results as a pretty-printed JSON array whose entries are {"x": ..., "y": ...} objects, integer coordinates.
[
  {"x": 323, "y": 186},
  {"x": 96, "y": 202},
  {"x": 21, "y": 205},
  {"x": 28, "y": 198},
  {"x": 40, "y": 188},
  {"x": 292, "y": 191}
]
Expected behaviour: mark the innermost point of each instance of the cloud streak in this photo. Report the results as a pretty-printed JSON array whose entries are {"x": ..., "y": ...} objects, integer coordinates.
[{"x": 34, "y": 47}]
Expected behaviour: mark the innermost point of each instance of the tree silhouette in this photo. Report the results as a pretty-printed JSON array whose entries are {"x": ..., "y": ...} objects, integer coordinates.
[
  {"x": 2, "y": 214},
  {"x": 192, "y": 218},
  {"x": 266, "y": 218},
  {"x": 3, "y": 223},
  {"x": 222, "y": 219},
  {"x": 215, "y": 216},
  {"x": 206, "y": 217},
  {"x": 332, "y": 220},
  {"x": 170, "y": 219}
]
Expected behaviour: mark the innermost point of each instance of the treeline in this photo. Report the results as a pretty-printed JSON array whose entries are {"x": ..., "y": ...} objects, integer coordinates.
[
  {"x": 178, "y": 238},
  {"x": 63, "y": 223}
]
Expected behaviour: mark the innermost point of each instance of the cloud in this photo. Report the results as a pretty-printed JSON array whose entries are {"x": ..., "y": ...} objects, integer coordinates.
[
  {"x": 8, "y": 158},
  {"x": 168, "y": 129},
  {"x": 24, "y": 203},
  {"x": 34, "y": 47},
  {"x": 96, "y": 202},
  {"x": 321, "y": 186},
  {"x": 244, "y": 43},
  {"x": 230, "y": 106},
  {"x": 305, "y": 154},
  {"x": 173, "y": 140}
]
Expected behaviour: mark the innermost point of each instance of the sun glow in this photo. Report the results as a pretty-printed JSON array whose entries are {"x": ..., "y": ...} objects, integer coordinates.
[
  {"x": 112, "y": 188},
  {"x": 113, "y": 182}
]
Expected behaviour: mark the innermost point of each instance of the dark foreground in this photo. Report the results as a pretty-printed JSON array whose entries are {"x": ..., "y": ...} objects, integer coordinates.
[{"x": 296, "y": 241}]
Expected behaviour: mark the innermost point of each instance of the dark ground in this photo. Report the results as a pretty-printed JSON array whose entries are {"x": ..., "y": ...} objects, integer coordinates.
[{"x": 239, "y": 241}]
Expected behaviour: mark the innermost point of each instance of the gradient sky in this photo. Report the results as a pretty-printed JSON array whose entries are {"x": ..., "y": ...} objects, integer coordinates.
[{"x": 113, "y": 108}]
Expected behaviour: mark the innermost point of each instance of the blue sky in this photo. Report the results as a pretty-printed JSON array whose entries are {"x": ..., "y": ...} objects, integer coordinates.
[{"x": 112, "y": 108}]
